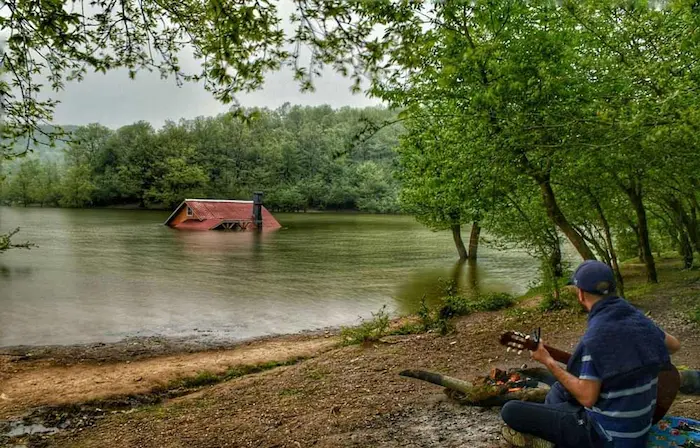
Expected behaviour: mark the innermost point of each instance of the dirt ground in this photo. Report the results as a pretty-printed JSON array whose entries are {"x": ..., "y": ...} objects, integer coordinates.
[
  {"x": 43, "y": 382},
  {"x": 338, "y": 397}
]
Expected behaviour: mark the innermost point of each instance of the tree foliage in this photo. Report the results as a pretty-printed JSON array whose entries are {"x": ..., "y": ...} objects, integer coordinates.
[
  {"x": 302, "y": 157},
  {"x": 575, "y": 119}
]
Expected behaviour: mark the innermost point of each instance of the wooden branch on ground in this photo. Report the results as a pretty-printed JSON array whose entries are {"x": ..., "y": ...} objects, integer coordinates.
[{"x": 484, "y": 395}]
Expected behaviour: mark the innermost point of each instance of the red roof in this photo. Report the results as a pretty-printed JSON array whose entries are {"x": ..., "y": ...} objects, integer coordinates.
[
  {"x": 209, "y": 213},
  {"x": 195, "y": 224}
]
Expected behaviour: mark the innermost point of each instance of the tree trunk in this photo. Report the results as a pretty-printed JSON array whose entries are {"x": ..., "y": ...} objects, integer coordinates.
[
  {"x": 474, "y": 240},
  {"x": 610, "y": 248},
  {"x": 691, "y": 226},
  {"x": 694, "y": 228},
  {"x": 685, "y": 230},
  {"x": 555, "y": 266},
  {"x": 635, "y": 229},
  {"x": 634, "y": 192},
  {"x": 457, "y": 236},
  {"x": 555, "y": 262},
  {"x": 558, "y": 218},
  {"x": 686, "y": 250},
  {"x": 694, "y": 224}
]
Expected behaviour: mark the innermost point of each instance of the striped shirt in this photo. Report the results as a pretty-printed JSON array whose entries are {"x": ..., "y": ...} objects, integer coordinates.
[{"x": 623, "y": 414}]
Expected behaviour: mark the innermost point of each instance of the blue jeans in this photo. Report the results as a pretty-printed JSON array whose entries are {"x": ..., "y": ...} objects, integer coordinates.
[{"x": 559, "y": 420}]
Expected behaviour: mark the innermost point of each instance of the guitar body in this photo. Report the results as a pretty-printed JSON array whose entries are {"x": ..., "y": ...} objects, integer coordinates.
[
  {"x": 666, "y": 391},
  {"x": 667, "y": 388}
]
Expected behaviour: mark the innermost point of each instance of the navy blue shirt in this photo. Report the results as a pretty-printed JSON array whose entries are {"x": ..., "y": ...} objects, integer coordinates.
[
  {"x": 622, "y": 415},
  {"x": 623, "y": 350}
]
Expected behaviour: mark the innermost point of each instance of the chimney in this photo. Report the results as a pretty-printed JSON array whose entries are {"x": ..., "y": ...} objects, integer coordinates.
[{"x": 257, "y": 209}]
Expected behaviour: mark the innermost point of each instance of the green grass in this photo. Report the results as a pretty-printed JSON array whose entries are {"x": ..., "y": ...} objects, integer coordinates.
[
  {"x": 695, "y": 315},
  {"x": 408, "y": 328},
  {"x": 201, "y": 379},
  {"x": 368, "y": 331},
  {"x": 207, "y": 378},
  {"x": 290, "y": 392},
  {"x": 493, "y": 301},
  {"x": 317, "y": 373}
]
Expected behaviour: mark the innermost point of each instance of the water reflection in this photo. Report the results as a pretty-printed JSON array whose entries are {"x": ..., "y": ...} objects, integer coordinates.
[
  {"x": 17, "y": 272},
  {"x": 462, "y": 278}
]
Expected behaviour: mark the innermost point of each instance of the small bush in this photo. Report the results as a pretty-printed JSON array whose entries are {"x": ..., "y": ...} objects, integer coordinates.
[
  {"x": 455, "y": 306},
  {"x": 567, "y": 299},
  {"x": 494, "y": 301},
  {"x": 426, "y": 315},
  {"x": 368, "y": 331},
  {"x": 551, "y": 303}
]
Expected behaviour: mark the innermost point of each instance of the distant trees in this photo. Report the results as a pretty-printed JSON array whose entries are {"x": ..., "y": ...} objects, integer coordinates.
[{"x": 302, "y": 157}]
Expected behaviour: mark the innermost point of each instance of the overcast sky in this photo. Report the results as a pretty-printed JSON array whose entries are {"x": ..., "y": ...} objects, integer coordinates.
[{"x": 115, "y": 100}]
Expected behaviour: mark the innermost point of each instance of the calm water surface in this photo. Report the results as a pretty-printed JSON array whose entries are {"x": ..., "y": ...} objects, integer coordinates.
[{"x": 102, "y": 275}]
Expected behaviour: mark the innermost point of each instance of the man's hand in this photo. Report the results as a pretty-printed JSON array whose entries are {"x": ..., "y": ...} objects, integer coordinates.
[
  {"x": 541, "y": 355},
  {"x": 585, "y": 391}
]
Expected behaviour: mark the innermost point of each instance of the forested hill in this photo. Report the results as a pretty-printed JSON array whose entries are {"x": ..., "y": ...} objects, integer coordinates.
[
  {"x": 42, "y": 148},
  {"x": 301, "y": 157}
]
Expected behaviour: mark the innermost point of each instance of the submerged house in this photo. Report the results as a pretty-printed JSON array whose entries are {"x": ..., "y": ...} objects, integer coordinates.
[{"x": 218, "y": 214}]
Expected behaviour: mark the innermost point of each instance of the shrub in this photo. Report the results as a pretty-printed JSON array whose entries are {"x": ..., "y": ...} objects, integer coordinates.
[
  {"x": 426, "y": 315},
  {"x": 455, "y": 306},
  {"x": 567, "y": 299},
  {"x": 368, "y": 330},
  {"x": 494, "y": 301}
]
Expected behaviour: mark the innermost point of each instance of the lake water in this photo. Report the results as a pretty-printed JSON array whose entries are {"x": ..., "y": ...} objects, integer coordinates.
[{"x": 102, "y": 275}]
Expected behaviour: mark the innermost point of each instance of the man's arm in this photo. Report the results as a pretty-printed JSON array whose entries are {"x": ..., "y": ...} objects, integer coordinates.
[
  {"x": 586, "y": 391},
  {"x": 672, "y": 344}
]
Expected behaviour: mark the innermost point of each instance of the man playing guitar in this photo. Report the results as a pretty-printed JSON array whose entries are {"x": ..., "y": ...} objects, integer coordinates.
[{"x": 607, "y": 394}]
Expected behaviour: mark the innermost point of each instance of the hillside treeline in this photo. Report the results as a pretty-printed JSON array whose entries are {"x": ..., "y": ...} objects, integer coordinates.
[{"x": 301, "y": 157}]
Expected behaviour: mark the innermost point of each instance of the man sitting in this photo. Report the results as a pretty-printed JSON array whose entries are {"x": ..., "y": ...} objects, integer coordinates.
[{"x": 607, "y": 394}]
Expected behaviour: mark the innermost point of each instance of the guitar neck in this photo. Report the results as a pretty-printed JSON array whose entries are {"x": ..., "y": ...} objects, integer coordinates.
[{"x": 558, "y": 355}]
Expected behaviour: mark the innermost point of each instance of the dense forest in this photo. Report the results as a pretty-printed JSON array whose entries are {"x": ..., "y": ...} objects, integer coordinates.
[{"x": 300, "y": 157}]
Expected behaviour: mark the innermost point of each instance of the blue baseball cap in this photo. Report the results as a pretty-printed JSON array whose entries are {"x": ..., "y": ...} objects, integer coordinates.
[{"x": 594, "y": 277}]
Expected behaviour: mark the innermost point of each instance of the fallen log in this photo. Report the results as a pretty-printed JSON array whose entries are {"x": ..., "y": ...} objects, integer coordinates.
[{"x": 483, "y": 395}]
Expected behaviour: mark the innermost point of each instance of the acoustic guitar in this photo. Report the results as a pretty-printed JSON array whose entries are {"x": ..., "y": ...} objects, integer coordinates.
[{"x": 669, "y": 378}]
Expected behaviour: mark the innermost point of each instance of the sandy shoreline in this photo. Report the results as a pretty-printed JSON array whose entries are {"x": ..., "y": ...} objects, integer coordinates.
[{"x": 142, "y": 347}]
